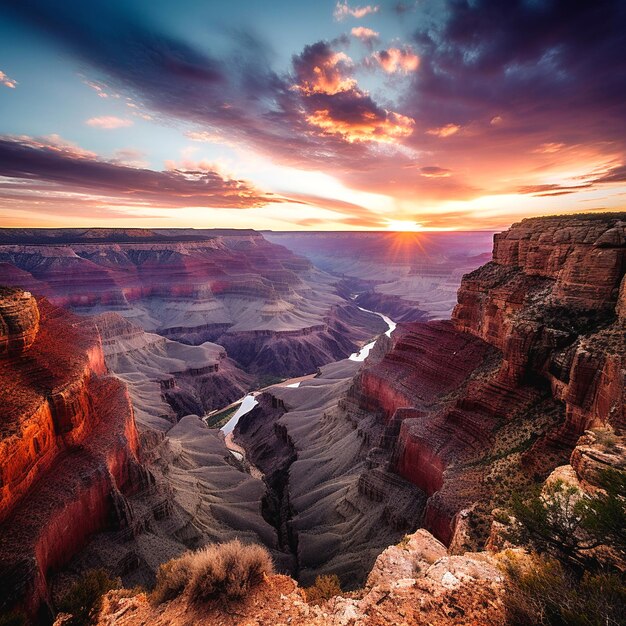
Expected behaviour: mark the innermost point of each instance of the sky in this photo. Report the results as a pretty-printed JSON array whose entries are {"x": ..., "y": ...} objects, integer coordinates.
[{"x": 310, "y": 115}]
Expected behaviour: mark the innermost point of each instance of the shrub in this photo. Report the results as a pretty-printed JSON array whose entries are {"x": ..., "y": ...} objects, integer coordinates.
[
  {"x": 84, "y": 598},
  {"x": 568, "y": 524},
  {"x": 325, "y": 587},
  {"x": 539, "y": 590},
  {"x": 228, "y": 570},
  {"x": 172, "y": 578}
]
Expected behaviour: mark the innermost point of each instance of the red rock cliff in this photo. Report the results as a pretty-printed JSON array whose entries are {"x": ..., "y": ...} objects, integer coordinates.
[
  {"x": 535, "y": 354},
  {"x": 68, "y": 444}
]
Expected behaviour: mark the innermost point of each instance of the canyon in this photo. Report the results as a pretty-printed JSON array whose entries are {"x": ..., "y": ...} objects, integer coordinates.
[
  {"x": 273, "y": 311},
  {"x": 133, "y": 336},
  {"x": 408, "y": 276}
]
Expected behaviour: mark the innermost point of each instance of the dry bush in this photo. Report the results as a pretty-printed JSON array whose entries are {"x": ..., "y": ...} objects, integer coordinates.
[
  {"x": 172, "y": 578},
  {"x": 228, "y": 570},
  {"x": 325, "y": 587}
]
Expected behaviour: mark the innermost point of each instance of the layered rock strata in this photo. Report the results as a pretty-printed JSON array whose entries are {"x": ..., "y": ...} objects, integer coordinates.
[
  {"x": 166, "y": 379},
  {"x": 465, "y": 411},
  {"x": 68, "y": 447},
  {"x": 275, "y": 313}
]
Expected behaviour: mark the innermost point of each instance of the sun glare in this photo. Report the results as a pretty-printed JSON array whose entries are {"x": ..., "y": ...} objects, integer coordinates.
[{"x": 405, "y": 226}]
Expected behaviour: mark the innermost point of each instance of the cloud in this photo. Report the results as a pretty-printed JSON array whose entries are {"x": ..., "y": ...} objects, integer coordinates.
[
  {"x": 319, "y": 69},
  {"x": 366, "y": 35},
  {"x": 109, "y": 122},
  {"x": 552, "y": 189},
  {"x": 395, "y": 60},
  {"x": 499, "y": 85},
  {"x": 363, "y": 124},
  {"x": 56, "y": 167},
  {"x": 343, "y": 10},
  {"x": 432, "y": 171},
  {"x": 444, "y": 131},
  {"x": 6, "y": 81},
  {"x": 613, "y": 175},
  {"x": 336, "y": 106}
]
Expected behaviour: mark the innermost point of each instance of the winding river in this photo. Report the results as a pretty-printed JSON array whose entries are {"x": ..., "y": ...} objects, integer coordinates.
[{"x": 249, "y": 401}]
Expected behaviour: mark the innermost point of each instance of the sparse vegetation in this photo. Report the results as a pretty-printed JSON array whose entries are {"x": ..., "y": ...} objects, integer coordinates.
[
  {"x": 13, "y": 618},
  {"x": 325, "y": 588},
  {"x": 562, "y": 522},
  {"x": 172, "y": 578},
  {"x": 219, "y": 419},
  {"x": 84, "y": 598},
  {"x": 228, "y": 571},
  {"x": 569, "y": 579},
  {"x": 541, "y": 591}
]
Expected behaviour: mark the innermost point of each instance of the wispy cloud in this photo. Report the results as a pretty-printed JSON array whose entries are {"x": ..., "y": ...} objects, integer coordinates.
[
  {"x": 344, "y": 10},
  {"x": 6, "y": 81},
  {"x": 444, "y": 131},
  {"x": 395, "y": 60},
  {"x": 60, "y": 167},
  {"x": 366, "y": 35},
  {"x": 109, "y": 122}
]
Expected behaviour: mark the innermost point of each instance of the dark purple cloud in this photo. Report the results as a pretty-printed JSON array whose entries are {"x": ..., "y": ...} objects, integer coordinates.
[{"x": 65, "y": 168}]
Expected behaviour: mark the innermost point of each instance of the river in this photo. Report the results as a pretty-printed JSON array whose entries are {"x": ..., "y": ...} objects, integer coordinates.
[{"x": 249, "y": 401}]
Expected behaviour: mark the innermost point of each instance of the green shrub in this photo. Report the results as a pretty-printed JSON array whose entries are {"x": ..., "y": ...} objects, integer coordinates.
[
  {"x": 84, "y": 598},
  {"x": 325, "y": 587},
  {"x": 540, "y": 591}
]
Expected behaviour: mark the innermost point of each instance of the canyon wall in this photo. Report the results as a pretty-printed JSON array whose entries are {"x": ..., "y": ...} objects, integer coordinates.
[
  {"x": 452, "y": 416},
  {"x": 69, "y": 446}
]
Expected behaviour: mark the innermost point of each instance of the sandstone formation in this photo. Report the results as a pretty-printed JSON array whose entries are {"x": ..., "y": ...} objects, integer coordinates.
[
  {"x": 440, "y": 425},
  {"x": 68, "y": 447},
  {"x": 274, "y": 312},
  {"x": 80, "y": 486}
]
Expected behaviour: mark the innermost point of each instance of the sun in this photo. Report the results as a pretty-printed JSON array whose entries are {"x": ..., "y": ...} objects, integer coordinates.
[{"x": 405, "y": 226}]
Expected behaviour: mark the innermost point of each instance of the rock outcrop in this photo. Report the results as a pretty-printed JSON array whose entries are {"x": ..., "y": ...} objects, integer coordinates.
[
  {"x": 68, "y": 446},
  {"x": 415, "y": 582}
]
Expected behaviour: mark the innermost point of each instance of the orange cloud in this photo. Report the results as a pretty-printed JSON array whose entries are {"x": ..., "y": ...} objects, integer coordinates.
[
  {"x": 343, "y": 10},
  {"x": 398, "y": 60},
  {"x": 370, "y": 126},
  {"x": 6, "y": 81},
  {"x": 108, "y": 122},
  {"x": 366, "y": 35},
  {"x": 444, "y": 131},
  {"x": 326, "y": 76}
]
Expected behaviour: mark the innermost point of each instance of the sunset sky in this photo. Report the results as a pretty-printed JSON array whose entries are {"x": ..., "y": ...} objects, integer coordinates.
[{"x": 323, "y": 115}]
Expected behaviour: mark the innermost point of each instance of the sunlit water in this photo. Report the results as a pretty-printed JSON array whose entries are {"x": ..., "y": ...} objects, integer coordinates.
[
  {"x": 362, "y": 354},
  {"x": 249, "y": 401},
  {"x": 247, "y": 404}
]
